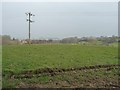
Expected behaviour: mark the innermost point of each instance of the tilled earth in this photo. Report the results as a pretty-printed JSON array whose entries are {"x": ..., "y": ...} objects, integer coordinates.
[{"x": 99, "y": 76}]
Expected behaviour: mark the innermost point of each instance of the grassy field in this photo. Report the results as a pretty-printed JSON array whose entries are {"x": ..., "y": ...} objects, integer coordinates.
[
  {"x": 19, "y": 58},
  {"x": 0, "y": 66}
]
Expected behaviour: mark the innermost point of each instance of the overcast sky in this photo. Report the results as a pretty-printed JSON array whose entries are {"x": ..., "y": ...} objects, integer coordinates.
[{"x": 60, "y": 19}]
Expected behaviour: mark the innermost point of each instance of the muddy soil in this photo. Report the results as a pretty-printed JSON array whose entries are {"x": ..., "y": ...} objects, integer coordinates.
[
  {"x": 55, "y": 71},
  {"x": 87, "y": 77}
]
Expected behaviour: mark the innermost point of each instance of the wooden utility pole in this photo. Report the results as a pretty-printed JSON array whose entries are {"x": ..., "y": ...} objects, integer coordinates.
[{"x": 29, "y": 21}]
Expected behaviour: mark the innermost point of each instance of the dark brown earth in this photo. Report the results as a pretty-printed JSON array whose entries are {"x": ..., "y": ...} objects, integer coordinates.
[
  {"x": 98, "y": 76},
  {"x": 55, "y": 71}
]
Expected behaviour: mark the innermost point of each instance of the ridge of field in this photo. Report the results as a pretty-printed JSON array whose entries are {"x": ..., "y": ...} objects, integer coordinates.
[{"x": 18, "y": 58}]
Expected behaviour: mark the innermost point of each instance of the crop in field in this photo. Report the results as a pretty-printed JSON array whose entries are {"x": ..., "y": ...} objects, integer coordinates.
[{"x": 19, "y": 58}]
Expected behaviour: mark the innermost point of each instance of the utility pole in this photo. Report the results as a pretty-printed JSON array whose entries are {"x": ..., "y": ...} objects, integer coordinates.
[{"x": 29, "y": 14}]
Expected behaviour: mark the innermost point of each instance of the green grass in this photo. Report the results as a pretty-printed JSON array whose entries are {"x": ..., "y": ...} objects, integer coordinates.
[
  {"x": 114, "y": 44},
  {"x": 18, "y": 58},
  {"x": 0, "y": 66}
]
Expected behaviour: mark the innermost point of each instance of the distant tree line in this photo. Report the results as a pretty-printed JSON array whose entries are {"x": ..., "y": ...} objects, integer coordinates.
[
  {"x": 94, "y": 40},
  {"x": 7, "y": 40}
]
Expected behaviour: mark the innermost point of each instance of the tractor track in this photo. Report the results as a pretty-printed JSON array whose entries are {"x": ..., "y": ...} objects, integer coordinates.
[{"x": 55, "y": 71}]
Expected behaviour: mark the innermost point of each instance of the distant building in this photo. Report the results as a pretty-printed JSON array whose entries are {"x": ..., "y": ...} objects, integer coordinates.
[{"x": 23, "y": 42}]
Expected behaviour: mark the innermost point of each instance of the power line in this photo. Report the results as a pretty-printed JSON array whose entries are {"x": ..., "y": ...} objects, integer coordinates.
[{"x": 29, "y": 14}]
